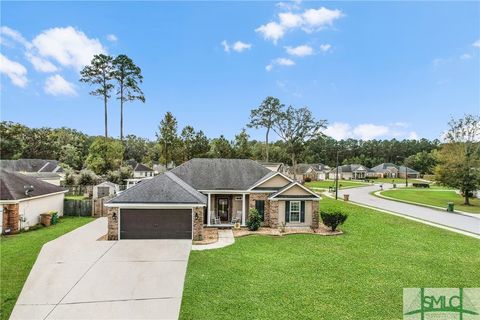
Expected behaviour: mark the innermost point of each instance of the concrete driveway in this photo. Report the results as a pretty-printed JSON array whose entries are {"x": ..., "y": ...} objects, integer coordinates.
[{"x": 77, "y": 277}]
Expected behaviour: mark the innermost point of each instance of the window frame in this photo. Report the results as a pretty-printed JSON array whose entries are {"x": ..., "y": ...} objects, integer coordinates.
[{"x": 295, "y": 212}]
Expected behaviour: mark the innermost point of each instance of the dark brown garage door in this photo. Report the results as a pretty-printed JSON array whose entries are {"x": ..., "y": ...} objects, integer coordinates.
[{"x": 155, "y": 224}]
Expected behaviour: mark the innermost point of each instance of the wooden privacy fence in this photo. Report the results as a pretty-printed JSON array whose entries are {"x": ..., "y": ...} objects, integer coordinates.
[
  {"x": 87, "y": 207},
  {"x": 79, "y": 190}
]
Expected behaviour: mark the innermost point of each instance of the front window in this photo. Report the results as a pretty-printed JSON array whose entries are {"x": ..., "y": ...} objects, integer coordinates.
[
  {"x": 294, "y": 211},
  {"x": 260, "y": 206}
]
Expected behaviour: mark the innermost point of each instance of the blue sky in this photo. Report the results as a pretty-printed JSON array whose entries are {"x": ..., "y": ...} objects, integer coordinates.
[{"x": 372, "y": 69}]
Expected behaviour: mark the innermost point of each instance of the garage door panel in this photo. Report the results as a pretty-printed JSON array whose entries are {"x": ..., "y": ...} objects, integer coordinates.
[{"x": 156, "y": 224}]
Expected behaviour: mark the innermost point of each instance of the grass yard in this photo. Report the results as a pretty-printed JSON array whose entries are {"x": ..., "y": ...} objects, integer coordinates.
[
  {"x": 397, "y": 180},
  {"x": 434, "y": 198},
  {"x": 343, "y": 184},
  {"x": 18, "y": 254},
  {"x": 358, "y": 275},
  {"x": 75, "y": 197}
]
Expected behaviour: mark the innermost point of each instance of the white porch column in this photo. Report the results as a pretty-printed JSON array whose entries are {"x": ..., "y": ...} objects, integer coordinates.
[
  {"x": 243, "y": 209},
  {"x": 209, "y": 208}
]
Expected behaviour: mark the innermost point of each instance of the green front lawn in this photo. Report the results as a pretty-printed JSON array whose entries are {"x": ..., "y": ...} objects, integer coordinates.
[
  {"x": 75, "y": 197},
  {"x": 342, "y": 184},
  {"x": 434, "y": 198},
  {"x": 397, "y": 180},
  {"x": 18, "y": 254},
  {"x": 358, "y": 275}
]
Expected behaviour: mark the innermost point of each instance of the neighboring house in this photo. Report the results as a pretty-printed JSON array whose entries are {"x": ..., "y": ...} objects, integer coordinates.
[
  {"x": 50, "y": 177},
  {"x": 161, "y": 168},
  {"x": 24, "y": 198},
  {"x": 142, "y": 171},
  {"x": 390, "y": 170},
  {"x": 350, "y": 171},
  {"x": 40, "y": 166},
  {"x": 209, "y": 192},
  {"x": 273, "y": 166},
  {"x": 105, "y": 189}
]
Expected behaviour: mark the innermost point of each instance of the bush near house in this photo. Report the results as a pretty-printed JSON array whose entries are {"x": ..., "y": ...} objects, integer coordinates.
[
  {"x": 333, "y": 219},
  {"x": 254, "y": 220}
]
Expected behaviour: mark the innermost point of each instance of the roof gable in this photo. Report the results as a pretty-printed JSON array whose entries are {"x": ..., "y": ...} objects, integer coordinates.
[
  {"x": 294, "y": 190},
  {"x": 141, "y": 167},
  {"x": 273, "y": 181}
]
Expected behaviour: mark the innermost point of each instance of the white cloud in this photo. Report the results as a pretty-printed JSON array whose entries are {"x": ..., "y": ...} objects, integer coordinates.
[
  {"x": 56, "y": 85},
  {"x": 338, "y": 131},
  {"x": 281, "y": 62},
  {"x": 14, "y": 70},
  {"x": 271, "y": 31},
  {"x": 300, "y": 51},
  {"x": 466, "y": 56},
  {"x": 310, "y": 20},
  {"x": 240, "y": 46},
  {"x": 290, "y": 20},
  {"x": 68, "y": 46},
  {"x": 476, "y": 44},
  {"x": 226, "y": 46},
  {"x": 41, "y": 64},
  {"x": 325, "y": 47},
  {"x": 316, "y": 19},
  {"x": 370, "y": 131},
  {"x": 14, "y": 35},
  {"x": 112, "y": 38},
  {"x": 413, "y": 135}
]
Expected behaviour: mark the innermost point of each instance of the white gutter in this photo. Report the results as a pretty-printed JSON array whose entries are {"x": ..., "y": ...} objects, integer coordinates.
[
  {"x": 31, "y": 198},
  {"x": 153, "y": 205}
]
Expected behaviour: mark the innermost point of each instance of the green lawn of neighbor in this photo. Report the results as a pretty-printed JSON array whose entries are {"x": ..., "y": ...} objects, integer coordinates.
[
  {"x": 18, "y": 254},
  {"x": 343, "y": 184},
  {"x": 434, "y": 198},
  {"x": 397, "y": 180},
  {"x": 358, "y": 275},
  {"x": 75, "y": 197}
]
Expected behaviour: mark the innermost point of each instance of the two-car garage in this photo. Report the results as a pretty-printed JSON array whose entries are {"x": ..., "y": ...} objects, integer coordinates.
[{"x": 155, "y": 223}]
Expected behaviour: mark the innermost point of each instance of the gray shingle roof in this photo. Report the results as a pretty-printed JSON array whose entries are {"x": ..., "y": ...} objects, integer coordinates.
[
  {"x": 165, "y": 189},
  {"x": 31, "y": 165},
  {"x": 383, "y": 167},
  {"x": 141, "y": 167},
  {"x": 220, "y": 174},
  {"x": 12, "y": 186},
  {"x": 348, "y": 168}
]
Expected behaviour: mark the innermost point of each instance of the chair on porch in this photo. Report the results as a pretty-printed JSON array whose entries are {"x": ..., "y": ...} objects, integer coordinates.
[
  {"x": 237, "y": 217},
  {"x": 216, "y": 218}
]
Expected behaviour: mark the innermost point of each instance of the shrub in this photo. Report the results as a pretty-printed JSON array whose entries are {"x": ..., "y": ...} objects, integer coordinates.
[
  {"x": 333, "y": 219},
  {"x": 254, "y": 220},
  {"x": 87, "y": 178},
  {"x": 307, "y": 179}
]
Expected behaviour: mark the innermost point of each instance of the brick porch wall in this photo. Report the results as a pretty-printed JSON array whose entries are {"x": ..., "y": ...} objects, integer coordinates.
[
  {"x": 197, "y": 223},
  {"x": 267, "y": 214},
  {"x": 11, "y": 218},
  {"x": 113, "y": 222}
]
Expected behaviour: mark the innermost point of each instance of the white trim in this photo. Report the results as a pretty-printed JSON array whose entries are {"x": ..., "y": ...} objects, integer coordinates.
[
  {"x": 299, "y": 211},
  {"x": 294, "y": 199},
  {"x": 153, "y": 205},
  {"x": 222, "y": 191},
  {"x": 32, "y": 198},
  {"x": 209, "y": 208},
  {"x": 243, "y": 210},
  {"x": 290, "y": 186},
  {"x": 268, "y": 178}
]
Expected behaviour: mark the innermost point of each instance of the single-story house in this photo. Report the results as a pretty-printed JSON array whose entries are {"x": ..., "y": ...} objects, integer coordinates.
[
  {"x": 201, "y": 193},
  {"x": 349, "y": 172},
  {"x": 273, "y": 166},
  {"x": 50, "y": 177},
  {"x": 390, "y": 170},
  {"x": 105, "y": 189},
  {"x": 24, "y": 198}
]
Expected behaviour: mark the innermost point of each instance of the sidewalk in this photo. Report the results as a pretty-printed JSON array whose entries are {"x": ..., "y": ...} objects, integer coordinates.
[{"x": 225, "y": 238}]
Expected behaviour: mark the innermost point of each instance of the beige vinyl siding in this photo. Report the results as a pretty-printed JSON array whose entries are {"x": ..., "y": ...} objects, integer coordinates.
[
  {"x": 308, "y": 215},
  {"x": 296, "y": 191},
  {"x": 274, "y": 182}
]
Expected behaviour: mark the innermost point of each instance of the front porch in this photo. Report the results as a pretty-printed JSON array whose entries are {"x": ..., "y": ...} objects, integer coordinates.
[{"x": 225, "y": 209}]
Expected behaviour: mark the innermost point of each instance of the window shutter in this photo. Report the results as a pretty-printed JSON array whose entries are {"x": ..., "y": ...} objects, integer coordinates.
[
  {"x": 287, "y": 211},
  {"x": 302, "y": 211}
]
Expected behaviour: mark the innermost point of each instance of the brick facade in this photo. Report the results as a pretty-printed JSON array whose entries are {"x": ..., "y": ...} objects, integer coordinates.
[
  {"x": 198, "y": 223},
  {"x": 11, "y": 218},
  {"x": 315, "y": 214},
  {"x": 274, "y": 214},
  {"x": 251, "y": 205},
  {"x": 113, "y": 214}
]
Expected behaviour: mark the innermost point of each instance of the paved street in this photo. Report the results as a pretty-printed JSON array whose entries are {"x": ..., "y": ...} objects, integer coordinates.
[
  {"x": 362, "y": 195},
  {"x": 77, "y": 277}
]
